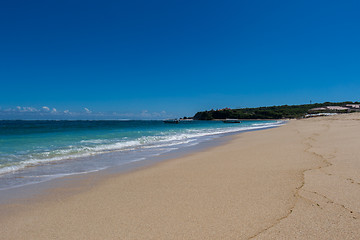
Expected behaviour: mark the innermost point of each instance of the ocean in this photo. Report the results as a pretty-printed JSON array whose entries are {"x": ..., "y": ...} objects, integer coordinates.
[{"x": 38, "y": 151}]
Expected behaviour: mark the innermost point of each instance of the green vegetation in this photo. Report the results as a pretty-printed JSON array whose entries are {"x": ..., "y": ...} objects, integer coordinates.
[{"x": 274, "y": 112}]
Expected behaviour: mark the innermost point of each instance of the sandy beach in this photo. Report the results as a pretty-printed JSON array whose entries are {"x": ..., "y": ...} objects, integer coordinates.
[{"x": 298, "y": 181}]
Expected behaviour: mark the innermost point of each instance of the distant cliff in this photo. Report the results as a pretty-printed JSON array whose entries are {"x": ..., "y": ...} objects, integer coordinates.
[{"x": 274, "y": 112}]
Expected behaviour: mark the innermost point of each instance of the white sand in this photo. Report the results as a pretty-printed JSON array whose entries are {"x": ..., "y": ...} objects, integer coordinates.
[{"x": 299, "y": 181}]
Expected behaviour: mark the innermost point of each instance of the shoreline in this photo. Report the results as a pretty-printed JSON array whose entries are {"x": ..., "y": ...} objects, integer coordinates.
[
  {"x": 34, "y": 192},
  {"x": 262, "y": 184},
  {"x": 31, "y": 189}
]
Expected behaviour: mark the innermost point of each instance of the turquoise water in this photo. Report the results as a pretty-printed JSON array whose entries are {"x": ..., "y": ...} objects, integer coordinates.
[{"x": 35, "y": 151}]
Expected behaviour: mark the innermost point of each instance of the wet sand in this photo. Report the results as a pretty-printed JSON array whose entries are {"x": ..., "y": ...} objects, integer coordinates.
[{"x": 298, "y": 181}]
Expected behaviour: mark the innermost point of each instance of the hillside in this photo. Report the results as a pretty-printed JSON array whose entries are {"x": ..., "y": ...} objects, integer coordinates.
[{"x": 273, "y": 112}]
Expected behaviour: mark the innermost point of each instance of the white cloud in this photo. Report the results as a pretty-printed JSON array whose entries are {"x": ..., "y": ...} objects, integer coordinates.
[
  {"x": 87, "y": 110},
  {"x": 31, "y": 109},
  {"x": 154, "y": 115},
  {"x": 48, "y": 112},
  {"x": 24, "y": 109},
  {"x": 21, "y": 109},
  {"x": 145, "y": 113},
  {"x": 46, "y": 109}
]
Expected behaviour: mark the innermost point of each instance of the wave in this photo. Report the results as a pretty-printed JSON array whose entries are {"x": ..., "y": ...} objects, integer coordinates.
[
  {"x": 46, "y": 177},
  {"x": 90, "y": 147}
]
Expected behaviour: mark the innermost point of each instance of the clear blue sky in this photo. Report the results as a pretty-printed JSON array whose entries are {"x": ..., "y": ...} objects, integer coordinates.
[{"x": 154, "y": 59}]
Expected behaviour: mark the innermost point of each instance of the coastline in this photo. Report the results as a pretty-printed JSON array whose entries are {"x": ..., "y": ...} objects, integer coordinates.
[
  {"x": 285, "y": 182},
  {"x": 109, "y": 145},
  {"x": 39, "y": 191}
]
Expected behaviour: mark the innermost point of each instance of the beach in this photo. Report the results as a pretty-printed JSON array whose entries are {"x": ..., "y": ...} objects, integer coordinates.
[{"x": 297, "y": 181}]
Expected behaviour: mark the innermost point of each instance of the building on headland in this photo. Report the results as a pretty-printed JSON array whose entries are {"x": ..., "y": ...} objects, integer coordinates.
[
  {"x": 353, "y": 106},
  {"x": 337, "y": 108},
  {"x": 317, "y": 109},
  {"x": 331, "y": 110},
  {"x": 319, "y": 114}
]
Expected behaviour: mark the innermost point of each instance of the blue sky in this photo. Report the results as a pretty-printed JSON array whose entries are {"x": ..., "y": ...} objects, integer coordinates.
[{"x": 158, "y": 59}]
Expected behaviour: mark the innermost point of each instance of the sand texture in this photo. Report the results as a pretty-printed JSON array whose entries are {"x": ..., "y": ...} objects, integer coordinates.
[{"x": 298, "y": 181}]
